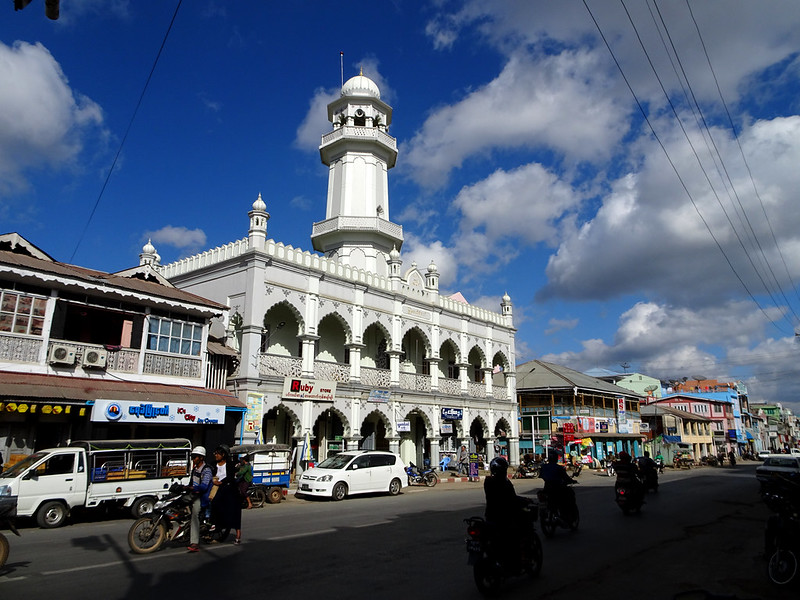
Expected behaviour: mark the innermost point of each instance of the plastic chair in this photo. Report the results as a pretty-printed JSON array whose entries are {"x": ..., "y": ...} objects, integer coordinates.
[{"x": 443, "y": 463}]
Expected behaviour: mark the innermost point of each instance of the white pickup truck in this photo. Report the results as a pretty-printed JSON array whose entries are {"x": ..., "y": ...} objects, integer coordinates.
[{"x": 132, "y": 473}]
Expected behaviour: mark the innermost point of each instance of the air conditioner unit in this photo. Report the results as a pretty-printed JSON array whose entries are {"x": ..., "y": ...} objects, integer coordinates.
[
  {"x": 94, "y": 357},
  {"x": 62, "y": 354}
]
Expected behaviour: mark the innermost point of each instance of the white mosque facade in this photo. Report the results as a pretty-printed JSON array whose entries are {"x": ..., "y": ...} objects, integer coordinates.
[{"x": 343, "y": 346}]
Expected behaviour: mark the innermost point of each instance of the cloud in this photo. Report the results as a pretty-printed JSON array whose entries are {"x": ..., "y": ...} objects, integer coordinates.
[
  {"x": 562, "y": 102},
  {"x": 43, "y": 123},
  {"x": 648, "y": 235},
  {"x": 416, "y": 251},
  {"x": 189, "y": 240},
  {"x": 557, "y": 325}
]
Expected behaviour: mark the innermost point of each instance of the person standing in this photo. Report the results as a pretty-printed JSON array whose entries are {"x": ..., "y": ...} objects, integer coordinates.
[
  {"x": 463, "y": 461},
  {"x": 200, "y": 482},
  {"x": 226, "y": 507}
]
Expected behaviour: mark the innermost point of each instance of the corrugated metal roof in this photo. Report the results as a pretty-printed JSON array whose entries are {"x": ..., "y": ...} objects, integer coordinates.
[
  {"x": 540, "y": 375},
  {"x": 30, "y": 387}
]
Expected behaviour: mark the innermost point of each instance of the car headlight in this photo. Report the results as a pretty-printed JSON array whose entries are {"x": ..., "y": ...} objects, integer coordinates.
[
  {"x": 5, "y": 490},
  {"x": 325, "y": 478}
]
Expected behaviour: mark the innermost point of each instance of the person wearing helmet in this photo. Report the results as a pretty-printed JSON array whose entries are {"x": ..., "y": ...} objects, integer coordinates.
[
  {"x": 556, "y": 484},
  {"x": 627, "y": 472},
  {"x": 503, "y": 510},
  {"x": 200, "y": 482}
]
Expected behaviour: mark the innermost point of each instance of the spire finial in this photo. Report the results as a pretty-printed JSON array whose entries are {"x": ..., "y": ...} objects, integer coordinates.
[{"x": 361, "y": 70}]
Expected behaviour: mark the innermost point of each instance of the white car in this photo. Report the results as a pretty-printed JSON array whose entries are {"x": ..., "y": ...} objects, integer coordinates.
[
  {"x": 354, "y": 472},
  {"x": 778, "y": 468}
]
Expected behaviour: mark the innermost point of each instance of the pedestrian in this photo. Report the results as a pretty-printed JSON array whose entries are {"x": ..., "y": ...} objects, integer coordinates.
[
  {"x": 244, "y": 478},
  {"x": 201, "y": 483},
  {"x": 463, "y": 461},
  {"x": 226, "y": 507}
]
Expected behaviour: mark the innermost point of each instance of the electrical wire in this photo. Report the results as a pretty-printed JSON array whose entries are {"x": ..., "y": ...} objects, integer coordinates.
[
  {"x": 125, "y": 136},
  {"x": 674, "y": 168}
]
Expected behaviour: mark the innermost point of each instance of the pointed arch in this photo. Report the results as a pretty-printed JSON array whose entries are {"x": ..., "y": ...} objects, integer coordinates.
[{"x": 334, "y": 336}]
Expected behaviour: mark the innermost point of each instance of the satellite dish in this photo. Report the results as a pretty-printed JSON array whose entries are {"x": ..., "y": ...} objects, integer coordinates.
[
  {"x": 698, "y": 377},
  {"x": 651, "y": 388}
]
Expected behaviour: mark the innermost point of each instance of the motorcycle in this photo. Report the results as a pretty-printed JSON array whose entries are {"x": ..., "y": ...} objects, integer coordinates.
[
  {"x": 660, "y": 465},
  {"x": 170, "y": 521},
  {"x": 629, "y": 497},
  {"x": 552, "y": 514},
  {"x": 782, "y": 535},
  {"x": 8, "y": 510},
  {"x": 418, "y": 476},
  {"x": 490, "y": 568},
  {"x": 526, "y": 470},
  {"x": 576, "y": 469}
]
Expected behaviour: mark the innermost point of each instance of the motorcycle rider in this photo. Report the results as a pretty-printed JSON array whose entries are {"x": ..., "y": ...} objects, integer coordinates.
[
  {"x": 557, "y": 486},
  {"x": 503, "y": 512},
  {"x": 627, "y": 474},
  {"x": 649, "y": 470},
  {"x": 200, "y": 482}
]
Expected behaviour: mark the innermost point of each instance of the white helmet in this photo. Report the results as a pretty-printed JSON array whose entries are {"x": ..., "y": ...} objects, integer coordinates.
[{"x": 199, "y": 451}]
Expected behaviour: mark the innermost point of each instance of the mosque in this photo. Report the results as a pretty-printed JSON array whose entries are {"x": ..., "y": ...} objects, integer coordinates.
[{"x": 343, "y": 346}]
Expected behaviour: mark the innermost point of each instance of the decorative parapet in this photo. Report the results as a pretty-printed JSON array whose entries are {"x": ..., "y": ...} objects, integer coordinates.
[
  {"x": 14, "y": 348},
  {"x": 476, "y": 390},
  {"x": 328, "y": 266},
  {"x": 376, "y": 378},
  {"x": 413, "y": 381},
  {"x": 280, "y": 366},
  {"x": 332, "y": 371},
  {"x": 449, "y": 386},
  {"x": 354, "y": 132}
]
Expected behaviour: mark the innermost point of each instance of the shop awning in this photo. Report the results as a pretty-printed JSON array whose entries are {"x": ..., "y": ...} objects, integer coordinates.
[
  {"x": 671, "y": 439},
  {"x": 27, "y": 387}
]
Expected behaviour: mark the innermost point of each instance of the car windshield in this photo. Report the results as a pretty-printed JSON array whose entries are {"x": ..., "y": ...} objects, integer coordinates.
[
  {"x": 24, "y": 464},
  {"x": 339, "y": 461}
]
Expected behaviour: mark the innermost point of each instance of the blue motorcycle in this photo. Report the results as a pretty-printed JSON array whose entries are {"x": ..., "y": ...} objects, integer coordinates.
[{"x": 426, "y": 476}]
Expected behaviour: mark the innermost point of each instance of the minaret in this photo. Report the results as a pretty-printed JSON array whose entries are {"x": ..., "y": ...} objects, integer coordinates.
[
  {"x": 149, "y": 256},
  {"x": 359, "y": 153},
  {"x": 258, "y": 224}
]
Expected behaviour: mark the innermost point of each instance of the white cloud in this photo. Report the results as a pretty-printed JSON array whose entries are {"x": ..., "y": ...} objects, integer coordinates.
[
  {"x": 563, "y": 102},
  {"x": 557, "y": 325},
  {"x": 416, "y": 251},
  {"x": 43, "y": 123},
  {"x": 183, "y": 238}
]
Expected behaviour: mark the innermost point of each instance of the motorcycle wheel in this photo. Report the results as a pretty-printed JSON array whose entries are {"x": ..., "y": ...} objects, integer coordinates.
[
  {"x": 782, "y": 567},
  {"x": 257, "y": 497},
  {"x": 536, "y": 557},
  {"x": 488, "y": 576},
  {"x": 431, "y": 479},
  {"x": 4, "y": 550},
  {"x": 146, "y": 536},
  {"x": 548, "y": 523}
]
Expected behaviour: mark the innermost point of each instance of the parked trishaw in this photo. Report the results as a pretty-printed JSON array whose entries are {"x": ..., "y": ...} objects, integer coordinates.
[{"x": 271, "y": 467}]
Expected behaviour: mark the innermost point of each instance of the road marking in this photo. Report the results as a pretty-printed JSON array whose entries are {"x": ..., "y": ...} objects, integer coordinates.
[
  {"x": 299, "y": 535},
  {"x": 4, "y": 579},
  {"x": 117, "y": 563},
  {"x": 370, "y": 524}
]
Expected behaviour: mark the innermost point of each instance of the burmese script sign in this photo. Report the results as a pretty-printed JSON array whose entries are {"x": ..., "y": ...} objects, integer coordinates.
[
  {"x": 174, "y": 413},
  {"x": 308, "y": 389}
]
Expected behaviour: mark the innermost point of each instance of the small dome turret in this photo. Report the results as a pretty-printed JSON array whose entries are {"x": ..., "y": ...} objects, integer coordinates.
[{"x": 361, "y": 86}]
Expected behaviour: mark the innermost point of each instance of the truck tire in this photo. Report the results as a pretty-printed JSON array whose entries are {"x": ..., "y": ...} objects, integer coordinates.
[
  {"x": 274, "y": 495},
  {"x": 51, "y": 514},
  {"x": 142, "y": 506}
]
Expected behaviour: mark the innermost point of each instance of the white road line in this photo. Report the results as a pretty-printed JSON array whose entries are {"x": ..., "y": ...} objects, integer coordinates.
[{"x": 5, "y": 579}]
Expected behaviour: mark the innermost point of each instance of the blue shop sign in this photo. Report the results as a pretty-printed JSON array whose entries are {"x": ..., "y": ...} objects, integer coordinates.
[{"x": 452, "y": 414}]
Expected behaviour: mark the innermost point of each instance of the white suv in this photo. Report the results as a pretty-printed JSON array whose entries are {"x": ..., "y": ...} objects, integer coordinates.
[{"x": 354, "y": 472}]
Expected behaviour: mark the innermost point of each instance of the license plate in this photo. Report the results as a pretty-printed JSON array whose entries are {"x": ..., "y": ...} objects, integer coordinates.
[
  {"x": 305, "y": 487},
  {"x": 473, "y": 546}
]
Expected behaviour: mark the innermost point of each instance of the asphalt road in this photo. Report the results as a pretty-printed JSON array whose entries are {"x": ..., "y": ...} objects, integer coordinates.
[{"x": 702, "y": 531}]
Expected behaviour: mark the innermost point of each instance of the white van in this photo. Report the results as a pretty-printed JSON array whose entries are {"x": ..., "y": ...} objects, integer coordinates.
[{"x": 133, "y": 473}]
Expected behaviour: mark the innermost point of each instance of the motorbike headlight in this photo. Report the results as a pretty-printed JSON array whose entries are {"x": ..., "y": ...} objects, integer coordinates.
[{"x": 325, "y": 478}]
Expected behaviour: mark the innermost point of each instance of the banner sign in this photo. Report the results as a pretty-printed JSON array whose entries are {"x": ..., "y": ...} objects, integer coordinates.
[
  {"x": 452, "y": 414},
  {"x": 404, "y": 426},
  {"x": 252, "y": 417},
  {"x": 308, "y": 389},
  {"x": 379, "y": 396},
  {"x": 446, "y": 428},
  {"x": 174, "y": 413}
]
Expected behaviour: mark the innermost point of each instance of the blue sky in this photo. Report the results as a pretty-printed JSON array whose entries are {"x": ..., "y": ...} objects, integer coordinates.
[{"x": 670, "y": 243}]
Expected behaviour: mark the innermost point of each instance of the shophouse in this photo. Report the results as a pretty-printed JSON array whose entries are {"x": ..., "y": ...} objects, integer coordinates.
[
  {"x": 781, "y": 428},
  {"x": 672, "y": 430},
  {"x": 718, "y": 412},
  {"x": 351, "y": 348},
  {"x": 569, "y": 411},
  {"x": 92, "y": 355}
]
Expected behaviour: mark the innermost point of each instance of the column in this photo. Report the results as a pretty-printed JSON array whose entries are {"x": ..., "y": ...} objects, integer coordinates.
[
  {"x": 355, "y": 362},
  {"x": 394, "y": 367},
  {"x": 308, "y": 354}
]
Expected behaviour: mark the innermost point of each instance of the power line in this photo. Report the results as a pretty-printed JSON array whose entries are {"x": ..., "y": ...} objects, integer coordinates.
[
  {"x": 125, "y": 136},
  {"x": 674, "y": 168}
]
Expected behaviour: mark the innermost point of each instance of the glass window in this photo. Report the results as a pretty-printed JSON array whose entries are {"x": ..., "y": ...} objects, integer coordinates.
[
  {"x": 175, "y": 336},
  {"x": 16, "y": 310}
]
